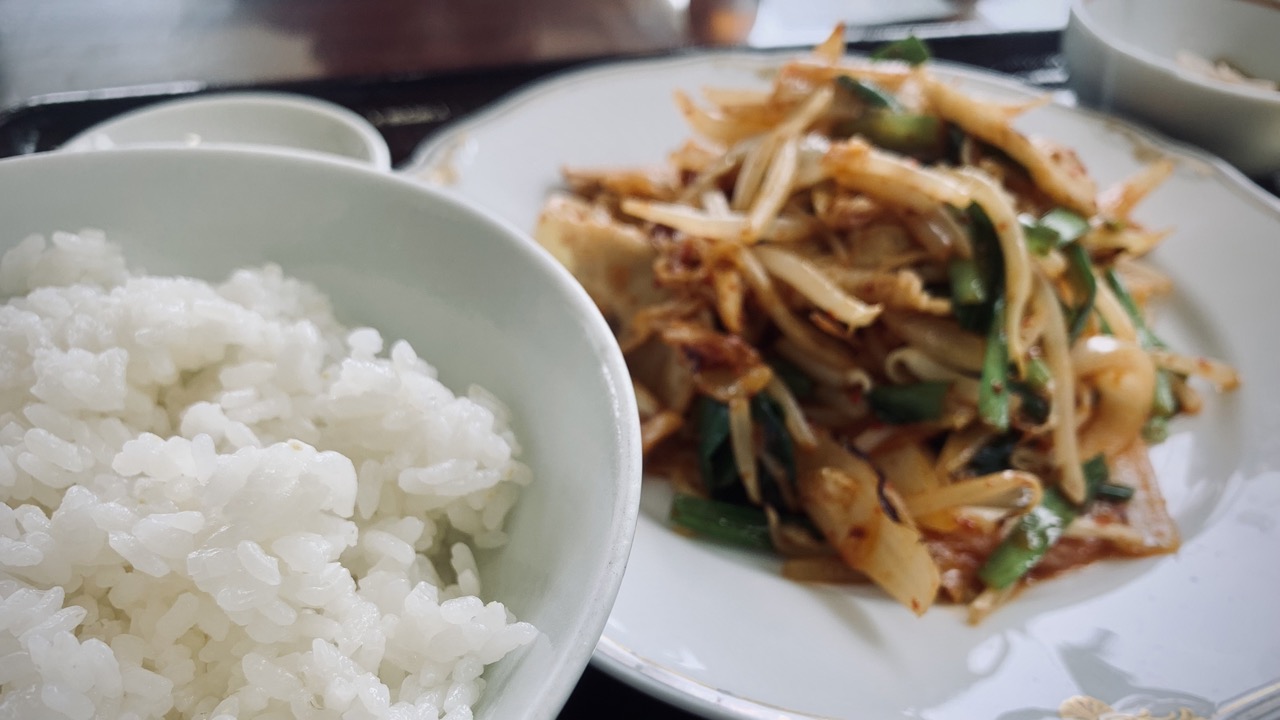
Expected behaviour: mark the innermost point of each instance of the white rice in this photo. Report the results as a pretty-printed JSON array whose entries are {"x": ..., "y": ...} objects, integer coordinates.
[{"x": 219, "y": 503}]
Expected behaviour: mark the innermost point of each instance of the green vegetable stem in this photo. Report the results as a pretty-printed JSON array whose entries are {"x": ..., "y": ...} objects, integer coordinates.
[
  {"x": 1037, "y": 531},
  {"x": 738, "y": 525}
]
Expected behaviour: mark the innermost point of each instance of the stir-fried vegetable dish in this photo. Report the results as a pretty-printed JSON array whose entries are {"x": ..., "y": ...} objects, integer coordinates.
[{"x": 876, "y": 329}]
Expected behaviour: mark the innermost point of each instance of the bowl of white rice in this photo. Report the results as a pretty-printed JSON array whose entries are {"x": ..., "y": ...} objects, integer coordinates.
[{"x": 283, "y": 436}]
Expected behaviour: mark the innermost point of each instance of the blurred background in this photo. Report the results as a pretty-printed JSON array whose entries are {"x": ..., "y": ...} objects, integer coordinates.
[{"x": 56, "y": 46}]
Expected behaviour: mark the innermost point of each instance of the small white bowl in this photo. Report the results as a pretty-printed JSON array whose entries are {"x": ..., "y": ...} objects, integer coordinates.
[
  {"x": 278, "y": 120},
  {"x": 476, "y": 298},
  {"x": 1122, "y": 57}
]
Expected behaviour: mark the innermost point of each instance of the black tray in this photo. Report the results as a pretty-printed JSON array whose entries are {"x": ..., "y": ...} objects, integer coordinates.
[{"x": 408, "y": 109}]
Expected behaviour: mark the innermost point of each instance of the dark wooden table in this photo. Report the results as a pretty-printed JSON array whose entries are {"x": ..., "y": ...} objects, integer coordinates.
[{"x": 412, "y": 66}]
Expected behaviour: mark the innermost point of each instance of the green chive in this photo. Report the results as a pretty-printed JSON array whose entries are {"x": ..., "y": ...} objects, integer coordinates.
[
  {"x": 1040, "y": 239},
  {"x": 903, "y": 404},
  {"x": 1096, "y": 474},
  {"x": 1145, "y": 335},
  {"x": 1113, "y": 492},
  {"x": 868, "y": 93},
  {"x": 1156, "y": 429},
  {"x": 993, "y": 390},
  {"x": 1038, "y": 375},
  {"x": 715, "y": 454},
  {"x": 1165, "y": 403},
  {"x": 739, "y": 525},
  {"x": 1070, "y": 226},
  {"x": 910, "y": 49},
  {"x": 967, "y": 287},
  {"x": 989, "y": 261},
  {"x": 1053, "y": 229},
  {"x": 1027, "y": 543},
  {"x": 918, "y": 136},
  {"x": 1084, "y": 285},
  {"x": 1037, "y": 531}
]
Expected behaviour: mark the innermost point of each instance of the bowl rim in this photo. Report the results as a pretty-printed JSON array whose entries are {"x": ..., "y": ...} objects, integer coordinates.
[
  {"x": 376, "y": 152},
  {"x": 1079, "y": 12},
  {"x": 577, "y": 648}
]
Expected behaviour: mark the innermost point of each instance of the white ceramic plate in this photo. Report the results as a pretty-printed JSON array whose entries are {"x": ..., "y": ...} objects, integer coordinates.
[{"x": 719, "y": 632}]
